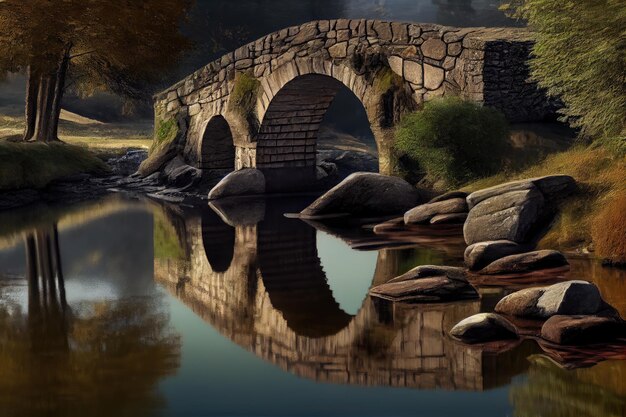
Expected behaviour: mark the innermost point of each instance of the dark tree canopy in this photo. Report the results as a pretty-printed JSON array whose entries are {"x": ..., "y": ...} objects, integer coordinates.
[{"x": 114, "y": 45}]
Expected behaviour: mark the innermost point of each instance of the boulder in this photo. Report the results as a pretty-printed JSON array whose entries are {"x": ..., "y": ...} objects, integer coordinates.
[
  {"x": 427, "y": 284},
  {"x": 178, "y": 174},
  {"x": 482, "y": 328},
  {"x": 553, "y": 187},
  {"x": 516, "y": 210},
  {"x": 526, "y": 262},
  {"x": 128, "y": 163},
  {"x": 582, "y": 330},
  {"x": 511, "y": 216},
  {"x": 248, "y": 181},
  {"x": 449, "y": 196},
  {"x": 365, "y": 194},
  {"x": 425, "y": 212},
  {"x": 479, "y": 255},
  {"x": 157, "y": 159},
  {"x": 568, "y": 298},
  {"x": 452, "y": 218}
]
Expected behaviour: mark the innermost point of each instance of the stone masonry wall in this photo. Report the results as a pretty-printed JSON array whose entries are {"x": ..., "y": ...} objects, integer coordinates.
[{"x": 484, "y": 65}]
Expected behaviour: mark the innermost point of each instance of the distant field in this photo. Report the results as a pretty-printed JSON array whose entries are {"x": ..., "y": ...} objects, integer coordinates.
[{"x": 89, "y": 133}]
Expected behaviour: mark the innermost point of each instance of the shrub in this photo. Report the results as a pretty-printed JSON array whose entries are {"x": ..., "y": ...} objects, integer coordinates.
[
  {"x": 609, "y": 230},
  {"x": 579, "y": 57},
  {"x": 454, "y": 140}
]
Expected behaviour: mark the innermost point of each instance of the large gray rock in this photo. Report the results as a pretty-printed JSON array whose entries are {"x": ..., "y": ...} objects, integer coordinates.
[
  {"x": 582, "y": 330},
  {"x": 511, "y": 216},
  {"x": 365, "y": 194},
  {"x": 244, "y": 182},
  {"x": 425, "y": 212},
  {"x": 479, "y": 255},
  {"x": 526, "y": 262},
  {"x": 427, "y": 284},
  {"x": 565, "y": 298},
  {"x": 515, "y": 211},
  {"x": 178, "y": 174},
  {"x": 552, "y": 187},
  {"x": 482, "y": 328}
]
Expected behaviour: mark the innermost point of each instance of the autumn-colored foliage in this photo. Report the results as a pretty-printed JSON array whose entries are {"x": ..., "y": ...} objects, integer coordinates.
[{"x": 609, "y": 230}]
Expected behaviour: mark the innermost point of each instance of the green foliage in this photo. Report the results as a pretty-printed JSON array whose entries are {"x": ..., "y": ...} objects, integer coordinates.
[
  {"x": 165, "y": 133},
  {"x": 34, "y": 165},
  {"x": 244, "y": 95},
  {"x": 580, "y": 56},
  {"x": 386, "y": 79},
  {"x": 454, "y": 140}
]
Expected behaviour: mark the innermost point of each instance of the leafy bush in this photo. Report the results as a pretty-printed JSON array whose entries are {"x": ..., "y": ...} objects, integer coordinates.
[
  {"x": 609, "y": 230},
  {"x": 454, "y": 140},
  {"x": 34, "y": 165},
  {"x": 579, "y": 57}
]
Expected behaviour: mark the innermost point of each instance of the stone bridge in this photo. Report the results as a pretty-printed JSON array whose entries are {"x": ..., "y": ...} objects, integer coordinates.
[
  {"x": 261, "y": 105},
  {"x": 267, "y": 292}
]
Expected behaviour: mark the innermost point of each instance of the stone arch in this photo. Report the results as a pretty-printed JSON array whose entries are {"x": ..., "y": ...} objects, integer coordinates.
[
  {"x": 217, "y": 149},
  {"x": 295, "y": 100}
]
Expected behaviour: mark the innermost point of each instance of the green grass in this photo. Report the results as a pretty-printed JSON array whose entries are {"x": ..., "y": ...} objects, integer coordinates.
[
  {"x": 34, "y": 165},
  {"x": 165, "y": 133}
]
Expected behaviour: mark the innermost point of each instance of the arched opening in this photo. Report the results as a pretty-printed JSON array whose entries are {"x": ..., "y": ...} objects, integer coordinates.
[
  {"x": 301, "y": 120},
  {"x": 217, "y": 148}
]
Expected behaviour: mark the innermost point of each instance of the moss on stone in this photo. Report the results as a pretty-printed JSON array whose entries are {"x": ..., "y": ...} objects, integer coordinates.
[
  {"x": 244, "y": 96},
  {"x": 165, "y": 133}
]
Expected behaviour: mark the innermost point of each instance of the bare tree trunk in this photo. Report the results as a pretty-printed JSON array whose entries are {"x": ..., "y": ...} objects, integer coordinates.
[
  {"x": 59, "y": 89},
  {"x": 32, "y": 88},
  {"x": 45, "y": 97}
]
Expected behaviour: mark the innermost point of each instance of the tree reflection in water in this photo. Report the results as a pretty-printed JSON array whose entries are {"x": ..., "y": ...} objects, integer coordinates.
[{"x": 93, "y": 358}]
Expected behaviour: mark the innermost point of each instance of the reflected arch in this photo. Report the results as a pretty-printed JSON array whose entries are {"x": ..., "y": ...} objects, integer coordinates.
[{"x": 218, "y": 240}]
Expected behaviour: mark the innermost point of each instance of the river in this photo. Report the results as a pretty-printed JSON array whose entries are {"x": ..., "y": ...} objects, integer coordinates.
[{"x": 238, "y": 310}]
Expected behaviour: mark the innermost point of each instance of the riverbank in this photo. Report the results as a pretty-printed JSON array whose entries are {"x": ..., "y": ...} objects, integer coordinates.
[{"x": 583, "y": 225}]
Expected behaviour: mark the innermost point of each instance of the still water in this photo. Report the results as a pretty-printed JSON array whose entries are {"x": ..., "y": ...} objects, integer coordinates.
[{"x": 238, "y": 310}]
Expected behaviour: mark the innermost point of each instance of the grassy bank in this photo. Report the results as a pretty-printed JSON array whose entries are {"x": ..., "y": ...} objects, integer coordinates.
[
  {"x": 593, "y": 219},
  {"x": 34, "y": 165}
]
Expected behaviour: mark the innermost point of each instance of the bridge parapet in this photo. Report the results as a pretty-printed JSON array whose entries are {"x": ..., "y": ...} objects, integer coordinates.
[{"x": 390, "y": 67}]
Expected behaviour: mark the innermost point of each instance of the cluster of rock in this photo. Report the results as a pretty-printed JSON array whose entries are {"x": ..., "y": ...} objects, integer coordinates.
[
  {"x": 427, "y": 283},
  {"x": 449, "y": 208},
  {"x": 504, "y": 222},
  {"x": 569, "y": 313}
]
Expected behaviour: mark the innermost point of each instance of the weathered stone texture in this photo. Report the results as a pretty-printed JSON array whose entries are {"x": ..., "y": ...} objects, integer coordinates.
[{"x": 484, "y": 65}]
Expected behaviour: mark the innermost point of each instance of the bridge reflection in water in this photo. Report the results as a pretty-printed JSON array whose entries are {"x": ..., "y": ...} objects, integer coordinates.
[{"x": 259, "y": 281}]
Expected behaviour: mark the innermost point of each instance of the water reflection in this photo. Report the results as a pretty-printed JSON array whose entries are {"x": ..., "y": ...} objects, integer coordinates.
[
  {"x": 274, "y": 299},
  {"x": 253, "y": 304},
  {"x": 96, "y": 358}
]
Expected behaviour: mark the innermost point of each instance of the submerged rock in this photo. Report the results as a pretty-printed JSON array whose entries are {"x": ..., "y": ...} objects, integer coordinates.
[
  {"x": 526, "y": 262},
  {"x": 565, "y": 298},
  {"x": 245, "y": 182},
  {"x": 427, "y": 284},
  {"x": 479, "y": 255},
  {"x": 582, "y": 330},
  {"x": 425, "y": 212},
  {"x": 365, "y": 194},
  {"x": 482, "y": 328}
]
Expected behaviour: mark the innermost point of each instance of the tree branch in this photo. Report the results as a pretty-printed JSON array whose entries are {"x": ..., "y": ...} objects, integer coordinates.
[{"x": 82, "y": 53}]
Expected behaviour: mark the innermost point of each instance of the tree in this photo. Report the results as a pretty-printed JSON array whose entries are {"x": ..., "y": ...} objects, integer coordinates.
[
  {"x": 88, "y": 46},
  {"x": 580, "y": 56}
]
